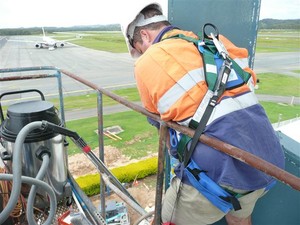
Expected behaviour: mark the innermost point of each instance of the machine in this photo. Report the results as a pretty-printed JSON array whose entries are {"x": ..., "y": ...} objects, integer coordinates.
[{"x": 35, "y": 183}]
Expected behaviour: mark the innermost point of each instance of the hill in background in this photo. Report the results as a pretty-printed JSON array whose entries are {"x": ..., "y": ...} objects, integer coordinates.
[
  {"x": 49, "y": 30},
  {"x": 263, "y": 24},
  {"x": 279, "y": 24}
]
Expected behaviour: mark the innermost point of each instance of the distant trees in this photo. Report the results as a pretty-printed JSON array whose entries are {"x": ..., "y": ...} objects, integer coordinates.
[
  {"x": 38, "y": 30},
  {"x": 263, "y": 24},
  {"x": 279, "y": 24},
  {"x": 15, "y": 31}
]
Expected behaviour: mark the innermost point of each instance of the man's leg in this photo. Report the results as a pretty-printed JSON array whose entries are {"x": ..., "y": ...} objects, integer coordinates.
[
  {"x": 232, "y": 220},
  {"x": 243, "y": 216},
  {"x": 191, "y": 208}
]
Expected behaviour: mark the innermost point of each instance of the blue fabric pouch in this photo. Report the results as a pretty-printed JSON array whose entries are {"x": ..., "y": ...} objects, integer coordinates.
[{"x": 209, "y": 189}]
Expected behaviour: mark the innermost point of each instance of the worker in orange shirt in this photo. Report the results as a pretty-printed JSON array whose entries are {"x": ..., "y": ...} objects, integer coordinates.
[{"x": 172, "y": 81}]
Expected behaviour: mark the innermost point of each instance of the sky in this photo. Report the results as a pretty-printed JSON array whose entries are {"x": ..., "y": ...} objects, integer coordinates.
[{"x": 64, "y": 13}]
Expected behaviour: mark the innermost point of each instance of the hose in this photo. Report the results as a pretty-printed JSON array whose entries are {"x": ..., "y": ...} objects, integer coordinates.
[
  {"x": 33, "y": 181},
  {"x": 140, "y": 219},
  {"x": 17, "y": 174},
  {"x": 32, "y": 193},
  {"x": 5, "y": 187}
]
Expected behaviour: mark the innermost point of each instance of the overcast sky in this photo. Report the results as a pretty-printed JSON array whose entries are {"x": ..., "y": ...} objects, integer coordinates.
[{"x": 29, "y": 13}]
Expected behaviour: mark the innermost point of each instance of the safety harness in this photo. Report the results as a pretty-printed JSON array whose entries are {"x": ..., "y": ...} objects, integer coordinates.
[{"x": 221, "y": 73}]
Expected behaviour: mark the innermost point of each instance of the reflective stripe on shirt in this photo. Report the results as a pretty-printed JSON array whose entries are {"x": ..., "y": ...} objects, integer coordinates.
[
  {"x": 186, "y": 83},
  {"x": 180, "y": 88},
  {"x": 232, "y": 104},
  {"x": 226, "y": 106},
  {"x": 242, "y": 62}
]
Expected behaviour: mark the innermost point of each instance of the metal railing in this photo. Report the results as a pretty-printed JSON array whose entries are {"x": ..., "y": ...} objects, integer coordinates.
[{"x": 237, "y": 153}]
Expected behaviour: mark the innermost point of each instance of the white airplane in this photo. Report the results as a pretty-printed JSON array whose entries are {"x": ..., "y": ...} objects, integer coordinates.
[{"x": 50, "y": 43}]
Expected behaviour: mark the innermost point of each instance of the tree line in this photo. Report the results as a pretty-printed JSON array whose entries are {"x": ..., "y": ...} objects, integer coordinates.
[
  {"x": 263, "y": 24},
  {"x": 279, "y": 24},
  {"x": 49, "y": 30}
]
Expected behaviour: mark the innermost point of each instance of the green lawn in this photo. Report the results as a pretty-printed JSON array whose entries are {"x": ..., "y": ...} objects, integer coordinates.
[
  {"x": 278, "y": 84},
  {"x": 278, "y": 41},
  {"x": 140, "y": 139},
  {"x": 113, "y": 41},
  {"x": 89, "y": 101},
  {"x": 279, "y": 111}
]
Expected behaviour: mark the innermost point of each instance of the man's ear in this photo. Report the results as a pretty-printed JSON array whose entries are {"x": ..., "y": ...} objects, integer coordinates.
[{"x": 145, "y": 35}]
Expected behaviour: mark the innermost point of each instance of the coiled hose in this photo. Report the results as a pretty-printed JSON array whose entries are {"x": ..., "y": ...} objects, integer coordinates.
[{"x": 17, "y": 177}]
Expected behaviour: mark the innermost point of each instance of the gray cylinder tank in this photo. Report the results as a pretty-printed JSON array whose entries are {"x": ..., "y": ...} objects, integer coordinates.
[{"x": 21, "y": 114}]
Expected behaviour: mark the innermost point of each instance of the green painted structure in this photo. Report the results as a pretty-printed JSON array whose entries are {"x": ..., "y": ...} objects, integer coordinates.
[{"x": 238, "y": 20}]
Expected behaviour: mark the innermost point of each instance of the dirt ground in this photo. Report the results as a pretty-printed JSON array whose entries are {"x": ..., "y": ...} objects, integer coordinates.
[{"x": 142, "y": 190}]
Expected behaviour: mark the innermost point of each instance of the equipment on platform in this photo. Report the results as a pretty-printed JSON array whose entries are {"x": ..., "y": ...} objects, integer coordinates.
[
  {"x": 116, "y": 213},
  {"x": 18, "y": 116},
  {"x": 33, "y": 151},
  {"x": 35, "y": 183}
]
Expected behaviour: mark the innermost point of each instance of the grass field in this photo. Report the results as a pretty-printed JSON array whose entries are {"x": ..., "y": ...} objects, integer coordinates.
[
  {"x": 111, "y": 41},
  {"x": 278, "y": 41},
  {"x": 89, "y": 101},
  {"x": 269, "y": 83},
  {"x": 140, "y": 139},
  {"x": 267, "y": 40}
]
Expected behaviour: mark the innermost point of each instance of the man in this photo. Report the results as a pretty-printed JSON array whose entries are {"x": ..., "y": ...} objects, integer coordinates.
[{"x": 170, "y": 77}]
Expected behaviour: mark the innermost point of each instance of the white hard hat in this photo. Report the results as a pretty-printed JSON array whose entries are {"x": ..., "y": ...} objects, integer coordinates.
[{"x": 137, "y": 19}]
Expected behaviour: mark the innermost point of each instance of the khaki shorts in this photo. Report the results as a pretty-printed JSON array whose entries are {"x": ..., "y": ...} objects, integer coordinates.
[{"x": 193, "y": 208}]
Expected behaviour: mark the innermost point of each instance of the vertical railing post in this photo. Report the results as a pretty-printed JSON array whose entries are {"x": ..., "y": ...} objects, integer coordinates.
[
  {"x": 160, "y": 173},
  {"x": 101, "y": 148},
  {"x": 167, "y": 170},
  {"x": 61, "y": 98}
]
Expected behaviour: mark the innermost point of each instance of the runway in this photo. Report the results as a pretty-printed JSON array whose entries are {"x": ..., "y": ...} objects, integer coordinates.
[{"x": 108, "y": 70}]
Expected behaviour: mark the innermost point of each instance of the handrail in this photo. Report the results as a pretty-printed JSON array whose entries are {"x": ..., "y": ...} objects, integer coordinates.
[
  {"x": 233, "y": 151},
  {"x": 237, "y": 153},
  {"x": 56, "y": 74}
]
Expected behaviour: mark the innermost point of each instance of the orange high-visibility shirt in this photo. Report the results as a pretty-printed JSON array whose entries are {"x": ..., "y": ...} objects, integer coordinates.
[{"x": 170, "y": 76}]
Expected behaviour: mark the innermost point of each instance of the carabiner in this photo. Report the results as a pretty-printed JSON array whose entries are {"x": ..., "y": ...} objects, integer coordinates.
[
  {"x": 214, "y": 36},
  {"x": 173, "y": 138}
]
